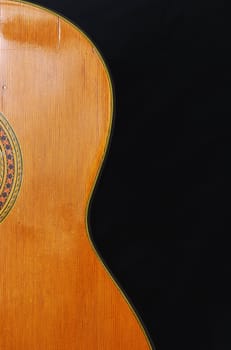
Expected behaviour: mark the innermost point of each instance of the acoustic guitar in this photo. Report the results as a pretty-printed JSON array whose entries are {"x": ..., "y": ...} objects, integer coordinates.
[{"x": 55, "y": 120}]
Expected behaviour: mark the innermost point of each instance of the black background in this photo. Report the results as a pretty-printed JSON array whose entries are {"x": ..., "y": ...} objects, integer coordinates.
[{"x": 161, "y": 212}]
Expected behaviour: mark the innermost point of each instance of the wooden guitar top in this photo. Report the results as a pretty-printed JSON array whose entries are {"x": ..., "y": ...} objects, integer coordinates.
[{"x": 55, "y": 120}]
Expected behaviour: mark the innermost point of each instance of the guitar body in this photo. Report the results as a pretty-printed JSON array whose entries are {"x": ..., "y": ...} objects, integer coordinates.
[{"x": 55, "y": 120}]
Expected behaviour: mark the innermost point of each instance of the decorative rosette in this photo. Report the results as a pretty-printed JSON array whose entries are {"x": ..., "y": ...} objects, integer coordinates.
[{"x": 10, "y": 167}]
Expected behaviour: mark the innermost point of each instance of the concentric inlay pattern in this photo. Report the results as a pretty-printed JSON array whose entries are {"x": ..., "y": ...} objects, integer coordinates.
[{"x": 10, "y": 167}]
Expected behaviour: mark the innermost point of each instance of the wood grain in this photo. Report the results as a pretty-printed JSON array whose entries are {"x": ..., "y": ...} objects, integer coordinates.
[{"x": 55, "y": 294}]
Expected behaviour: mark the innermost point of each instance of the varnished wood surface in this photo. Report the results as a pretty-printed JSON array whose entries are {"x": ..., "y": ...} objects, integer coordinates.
[{"x": 55, "y": 294}]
